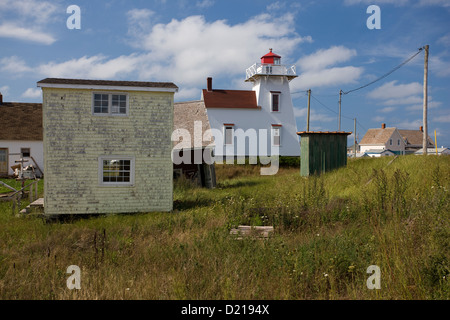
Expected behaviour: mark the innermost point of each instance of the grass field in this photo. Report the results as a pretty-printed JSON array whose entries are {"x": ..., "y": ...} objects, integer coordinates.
[{"x": 328, "y": 231}]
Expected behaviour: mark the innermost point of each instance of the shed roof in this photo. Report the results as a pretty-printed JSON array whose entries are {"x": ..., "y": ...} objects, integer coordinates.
[
  {"x": 21, "y": 121},
  {"x": 230, "y": 99},
  {"x": 184, "y": 116},
  {"x": 323, "y": 133},
  {"x": 115, "y": 83}
]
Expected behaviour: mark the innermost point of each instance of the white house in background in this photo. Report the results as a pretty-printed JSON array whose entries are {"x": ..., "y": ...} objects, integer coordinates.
[
  {"x": 382, "y": 139},
  {"x": 440, "y": 151},
  {"x": 376, "y": 153},
  {"x": 266, "y": 108},
  {"x": 21, "y": 136},
  {"x": 398, "y": 141}
]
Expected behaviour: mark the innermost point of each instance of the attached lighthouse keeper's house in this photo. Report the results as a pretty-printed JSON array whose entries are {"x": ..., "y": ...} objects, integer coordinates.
[{"x": 255, "y": 122}]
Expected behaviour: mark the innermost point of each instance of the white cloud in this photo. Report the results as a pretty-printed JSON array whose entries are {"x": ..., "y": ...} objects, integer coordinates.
[
  {"x": 313, "y": 116},
  {"x": 324, "y": 58},
  {"x": 4, "y": 90},
  {"x": 95, "y": 67},
  {"x": 204, "y": 3},
  {"x": 32, "y": 93},
  {"x": 439, "y": 66},
  {"x": 184, "y": 51},
  {"x": 409, "y": 124},
  {"x": 369, "y": 2},
  {"x": 387, "y": 109},
  {"x": 316, "y": 71},
  {"x": 391, "y": 90},
  {"x": 14, "y": 65},
  {"x": 33, "y": 11},
  {"x": 8, "y": 30},
  {"x": 26, "y": 20},
  {"x": 443, "y": 3},
  {"x": 442, "y": 118}
]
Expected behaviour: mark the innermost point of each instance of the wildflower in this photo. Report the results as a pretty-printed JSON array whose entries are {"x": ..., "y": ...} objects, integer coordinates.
[
  {"x": 351, "y": 268},
  {"x": 325, "y": 274}
]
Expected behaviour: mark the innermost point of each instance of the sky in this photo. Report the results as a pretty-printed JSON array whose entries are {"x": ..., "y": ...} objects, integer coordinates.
[{"x": 186, "y": 41}]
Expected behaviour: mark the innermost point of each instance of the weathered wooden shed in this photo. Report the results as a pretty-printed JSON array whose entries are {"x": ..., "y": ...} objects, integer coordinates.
[
  {"x": 322, "y": 151},
  {"x": 107, "y": 146}
]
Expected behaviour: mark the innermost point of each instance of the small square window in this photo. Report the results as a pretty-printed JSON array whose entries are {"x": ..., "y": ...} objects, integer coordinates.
[
  {"x": 116, "y": 171},
  {"x": 25, "y": 152},
  {"x": 110, "y": 104}
]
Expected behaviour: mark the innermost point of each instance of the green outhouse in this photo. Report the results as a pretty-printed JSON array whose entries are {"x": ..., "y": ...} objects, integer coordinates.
[{"x": 322, "y": 151}]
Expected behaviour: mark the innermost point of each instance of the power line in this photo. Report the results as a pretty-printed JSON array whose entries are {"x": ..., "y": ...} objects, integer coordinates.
[{"x": 386, "y": 74}]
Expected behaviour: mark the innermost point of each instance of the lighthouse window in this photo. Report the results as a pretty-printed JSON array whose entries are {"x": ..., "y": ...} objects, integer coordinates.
[
  {"x": 275, "y": 102},
  {"x": 276, "y": 61},
  {"x": 228, "y": 130},
  {"x": 276, "y": 138}
]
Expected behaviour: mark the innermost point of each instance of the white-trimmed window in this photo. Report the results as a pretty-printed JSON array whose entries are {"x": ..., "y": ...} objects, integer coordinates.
[
  {"x": 113, "y": 104},
  {"x": 275, "y": 101},
  {"x": 116, "y": 170},
  {"x": 276, "y": 135},
  {"x": 228, "y": 133}
]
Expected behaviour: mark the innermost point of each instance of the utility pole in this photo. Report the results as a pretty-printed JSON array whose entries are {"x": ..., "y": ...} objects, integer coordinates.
[
  {"x": 425, "y": 103},
  {"x": 354, "y": 136},
  {"x": 309, "y": 104},
  {"x": 340, "y": 98}
]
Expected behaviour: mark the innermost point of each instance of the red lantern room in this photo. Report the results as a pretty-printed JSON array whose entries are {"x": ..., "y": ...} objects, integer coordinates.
[{"x": 270, "y": 58}]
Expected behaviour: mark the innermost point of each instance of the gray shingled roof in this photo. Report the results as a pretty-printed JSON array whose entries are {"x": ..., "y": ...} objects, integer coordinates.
[
  {"x": 184, "y": 116},
  {"x": 109, "y": 83},
  {"x": 21, "y": 121}
]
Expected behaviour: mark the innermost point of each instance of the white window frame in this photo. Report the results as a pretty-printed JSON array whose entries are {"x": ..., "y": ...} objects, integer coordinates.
[
  {"x": 110, "y": 113},
  {"x": 115, "y": 183},
  {"x": 272, "y": 94},
  {"x": 225, "y": 141},
  {"x": 276, "y": 128}
]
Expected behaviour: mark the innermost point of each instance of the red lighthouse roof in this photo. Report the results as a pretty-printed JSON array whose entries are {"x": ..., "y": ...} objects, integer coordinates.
[{"x": 270, "y": 58}]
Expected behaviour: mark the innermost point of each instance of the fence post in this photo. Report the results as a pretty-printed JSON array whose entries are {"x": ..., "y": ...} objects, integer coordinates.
[{"x": 30, "y": 193}]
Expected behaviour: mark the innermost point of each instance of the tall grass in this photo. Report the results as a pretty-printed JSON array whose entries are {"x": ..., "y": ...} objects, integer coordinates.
[{"x": 328, "y": 230}]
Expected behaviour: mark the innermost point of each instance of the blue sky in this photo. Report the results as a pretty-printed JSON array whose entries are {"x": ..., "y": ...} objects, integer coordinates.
[{"x": 186, "y": 41}]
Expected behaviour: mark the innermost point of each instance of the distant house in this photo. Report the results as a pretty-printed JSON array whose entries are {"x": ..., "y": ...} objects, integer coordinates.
[
  {"x": 255, "y": 122},
  {"x": 193, "y": 157},
  {"x": 21, "y": 136},
  {"x": 398, "y": 141},
  {"x": 382, "y": 139},
  {"x": 376, "y": 153},
  {"x": 107, "y": 146},
  {"x": 440, "y": 151},
  {"x": 414, "y": 140}
]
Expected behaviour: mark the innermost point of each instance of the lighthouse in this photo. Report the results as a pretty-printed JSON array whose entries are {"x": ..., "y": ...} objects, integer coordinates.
[
  {"x": 270, "y": 79},
  {"x": 266, "y": 110},
  {"x": 271, "y": 83}
]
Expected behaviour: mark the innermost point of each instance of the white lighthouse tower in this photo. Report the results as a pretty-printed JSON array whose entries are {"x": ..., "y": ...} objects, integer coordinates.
[
  {"x": 266, "y": 110},
  {"x": 271, "y": 81}
]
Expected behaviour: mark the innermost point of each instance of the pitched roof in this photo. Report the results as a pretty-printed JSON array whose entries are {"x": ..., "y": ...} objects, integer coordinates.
[
  {"x": 414, "y": 137},
  {"x": 21, "y": 121},
  {"x": 184, "y": 116},
  {"x": 89, "y": 82},
  {"x": 377, "y": 136},
  {"x": 230, "y": 99}
]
